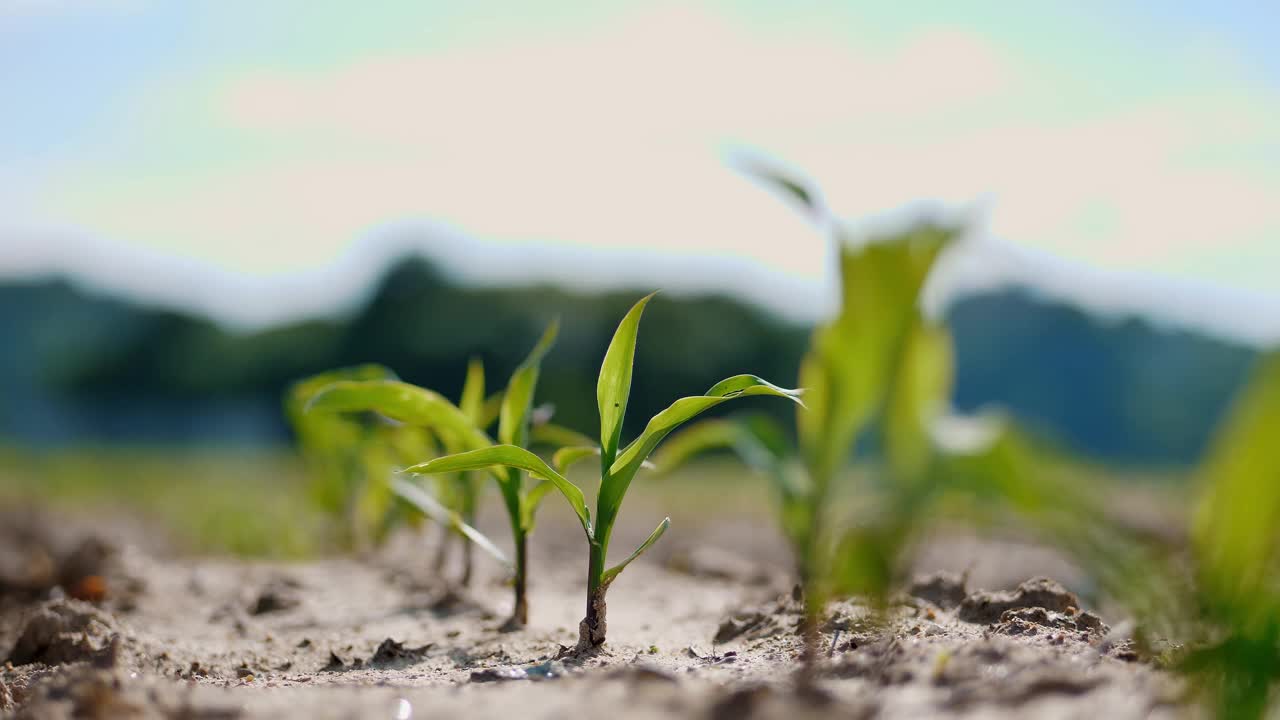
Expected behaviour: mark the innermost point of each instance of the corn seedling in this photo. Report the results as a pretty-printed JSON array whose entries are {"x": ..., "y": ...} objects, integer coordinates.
[
  {"x": 458, "y": 432},
  {"x": 1236, "y": 557},
  {"x": 460, "y": 492},
  {"x": 349, "y": 458},
  {"x": 1222, "y": 603},
  {"x": 618, "y": 465}
]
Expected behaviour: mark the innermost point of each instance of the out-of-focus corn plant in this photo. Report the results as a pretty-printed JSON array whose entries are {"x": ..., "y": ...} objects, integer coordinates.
[
  {"x": 1235, "y": 551},
  {"x": 458, "y": 431},
  {"x": 349, "y": 459}
]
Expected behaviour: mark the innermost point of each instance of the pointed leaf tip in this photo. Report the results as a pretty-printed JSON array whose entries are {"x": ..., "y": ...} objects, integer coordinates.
[
  {"x": 613, "y": 572},
  {"x": 614, "y": 385}
]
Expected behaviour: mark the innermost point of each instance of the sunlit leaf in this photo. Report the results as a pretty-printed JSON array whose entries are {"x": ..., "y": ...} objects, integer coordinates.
[
  {"x": 558, "y": 436},
  {"x": 566, "y": 457},
  {"x": 472, "y": 401},
  {"x": 614, "y": 484},
  {"x": 403, "y": 402},
  {"x": 1239, "y": 508},
  {"x": 614, "y": 385},
  {"x": 696, "y": 439},
  {"x": 517, "y": 401},
  {"x": 612, "y": 572},
  {"x": 512, "y": 457},
  {"x": 301, "y": 392},
  {"x": 492, "y": 408},
  {"x": 848, "y": 369},
  {"x": 532, "y": 500},
  {"x": 433, "y": 509},
  {"x": 920, "y": 393}
]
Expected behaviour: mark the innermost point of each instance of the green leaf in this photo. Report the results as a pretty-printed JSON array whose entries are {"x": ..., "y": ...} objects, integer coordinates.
[
  {"x": 517, "y": 401},
  {"x": 738, "y": 384},
  {"x": 614, "y": 385},
  {"x": 512, "y": 457},
  {"x": 472, "y": 401},
  {"x": 614, "y": 484},
  {"x": 301, "y": 392},
  {"x": 549, "y": 433},
  {"x": 789, "y": 187},
  {"x": 565, "y": 457},
  {"x": 529, "y": 505},
  {"x": 849, "y": 367},
  {"x": 919, "y": 395},
  {"x": 696, "y": 439},
  {"x": 867, "y": 559},
  {"x": 492, "y": 408},
  {"x": 612, "y": 572},
  {"x": 406, "y": 403},
  {"x": 433, "y": 509},
  {"x": 1234, "y": 533}
]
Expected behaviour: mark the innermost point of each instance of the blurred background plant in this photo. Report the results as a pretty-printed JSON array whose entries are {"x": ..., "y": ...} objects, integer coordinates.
[{"x": 461, "y": 429}]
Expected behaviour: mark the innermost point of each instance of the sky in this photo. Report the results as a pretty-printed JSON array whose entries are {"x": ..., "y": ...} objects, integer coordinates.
[{"x": 260, "y": 160}]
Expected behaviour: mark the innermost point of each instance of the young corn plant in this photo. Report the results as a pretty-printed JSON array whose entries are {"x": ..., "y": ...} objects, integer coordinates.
[
  {"x": 461, "y": 492},
  {"x": 458, "y": 433},
  {"x": 1219, "y": 599},
  {"x": 348, "y": 459},
  {"x": 618, "y": 464},
  {"x": 879, "y": 365},
  {"x": 1235, "y": 553}
]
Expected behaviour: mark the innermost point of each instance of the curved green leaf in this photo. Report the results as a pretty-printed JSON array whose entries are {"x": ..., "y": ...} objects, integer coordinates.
[
  {"x": 737, "y": 384},
  {"x": 612, "y": 572},
  {"x": 472, "y": 401},
  {"x": 512, "y": 457},
  {"x": 492, "y": 408},
  {"x": 433, "y": 509},
  {"x": 517, "y": 400},
  {"x": 614, "y": 385},
  {"x": 566, "y": 457},
  {"x": 919, "y": 395},
  {"x": 1234, "y": 534},
  {"x": 796, "y": 190},
  {"x": 406, "y": 403},
  {"x": 529, "y": 505},
  {"x": 614, "y": 484},
  {"x": 549, "y": 433},
  {"x": 853, "y": 357},
  {"x": 696, "y": 439}
]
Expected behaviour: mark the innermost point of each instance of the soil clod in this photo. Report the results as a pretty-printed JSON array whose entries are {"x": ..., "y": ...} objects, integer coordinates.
[
  {"x": 390, "y": 652},
  {"x": 66, "y": 631},
  {"x": 987, "y": 608},
  {"x": 751, "y": 625},
  {"x": 1027, "y": 621},
  {"x": 944, "y": 590}
]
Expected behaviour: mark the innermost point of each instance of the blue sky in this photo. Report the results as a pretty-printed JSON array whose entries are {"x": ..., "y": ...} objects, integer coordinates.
[{"x": 266, "y": 141}]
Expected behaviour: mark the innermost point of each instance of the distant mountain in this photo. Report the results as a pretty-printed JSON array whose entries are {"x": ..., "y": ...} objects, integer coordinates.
[{"x": 83, "y": 367}]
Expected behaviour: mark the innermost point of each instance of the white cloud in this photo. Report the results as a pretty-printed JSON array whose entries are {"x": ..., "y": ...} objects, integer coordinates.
[{"x": 615, "y": 138}]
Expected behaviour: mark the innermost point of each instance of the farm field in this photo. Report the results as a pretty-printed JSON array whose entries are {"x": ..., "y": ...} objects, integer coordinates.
[
  {"x": 705, "y": 625},
  {"x": 639, "y": 360}
]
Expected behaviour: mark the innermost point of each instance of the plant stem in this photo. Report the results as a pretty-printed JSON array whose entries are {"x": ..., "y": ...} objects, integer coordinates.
[
  {"x": 812, "y": 634},
  {"x": 811, "y": 567},
  {"x": 591, "y": 631},
  {"x": 520, "y": 611},
  {"x": 467, "y": 553},
  {"x": 442, "y": 551}
]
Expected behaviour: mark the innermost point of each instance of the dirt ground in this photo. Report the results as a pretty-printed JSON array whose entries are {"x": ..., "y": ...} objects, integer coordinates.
[{"x": 706, "y": 627}]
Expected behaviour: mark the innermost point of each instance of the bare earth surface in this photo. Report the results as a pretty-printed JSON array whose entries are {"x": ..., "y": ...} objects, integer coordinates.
[{"x": 694, "y": 632}]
